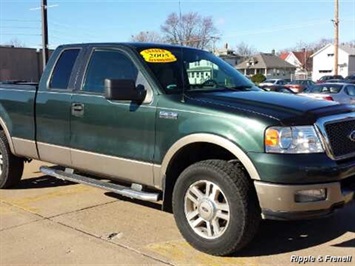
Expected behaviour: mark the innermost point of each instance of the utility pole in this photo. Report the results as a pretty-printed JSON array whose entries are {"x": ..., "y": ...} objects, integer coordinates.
[
  {"x": 44, "y": 33},
  {"x": 336, "y": 37}
]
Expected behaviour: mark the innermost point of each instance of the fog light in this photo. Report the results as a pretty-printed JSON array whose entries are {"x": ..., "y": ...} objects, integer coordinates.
[{"x": 311, "y": 195}]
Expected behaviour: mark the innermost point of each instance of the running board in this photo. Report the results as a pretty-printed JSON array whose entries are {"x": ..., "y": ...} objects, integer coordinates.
[{"x": 121, "y": 190}]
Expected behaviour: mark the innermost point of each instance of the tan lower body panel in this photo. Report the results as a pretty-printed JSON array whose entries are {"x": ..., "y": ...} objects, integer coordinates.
[
  {"x": 95, "y": 163},
  {"x": 25, "y": 148},
  {"x": 281, "y": 198},
  {"x": 114, "y": 167}
]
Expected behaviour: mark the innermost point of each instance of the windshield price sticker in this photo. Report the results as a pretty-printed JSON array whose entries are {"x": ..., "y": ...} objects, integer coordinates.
[{"x": 158, "y": 56}]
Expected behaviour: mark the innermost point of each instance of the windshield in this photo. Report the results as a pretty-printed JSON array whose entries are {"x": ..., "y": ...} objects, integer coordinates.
[
  {"x": 178, "y": 69},
  {"x": 325, "y": 89}
]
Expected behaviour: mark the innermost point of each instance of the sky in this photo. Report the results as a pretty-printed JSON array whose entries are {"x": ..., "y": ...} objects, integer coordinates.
[{"x": 264, "y": 24}]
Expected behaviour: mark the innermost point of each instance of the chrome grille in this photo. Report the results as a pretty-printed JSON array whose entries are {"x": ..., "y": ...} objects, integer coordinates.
[{"x": 336, "y": 131}]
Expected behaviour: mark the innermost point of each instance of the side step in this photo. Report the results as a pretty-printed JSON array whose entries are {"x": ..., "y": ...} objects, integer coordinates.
[{"x": 121, "y": 190}]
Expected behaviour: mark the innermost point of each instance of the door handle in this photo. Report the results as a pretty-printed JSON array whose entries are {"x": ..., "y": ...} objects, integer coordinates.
[{"x": 77, "y": 109}]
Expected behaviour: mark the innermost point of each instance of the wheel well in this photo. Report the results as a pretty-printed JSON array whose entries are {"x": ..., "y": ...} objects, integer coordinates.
[{"x": 187, "y": 156}]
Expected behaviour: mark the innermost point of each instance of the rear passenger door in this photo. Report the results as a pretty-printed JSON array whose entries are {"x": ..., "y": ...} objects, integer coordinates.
[
  {"x": 53, "y": 106},
  {"x": 114, "y": 138}
]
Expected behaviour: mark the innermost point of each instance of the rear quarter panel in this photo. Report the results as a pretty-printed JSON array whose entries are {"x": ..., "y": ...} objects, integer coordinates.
[{"x": 17, "y": 116}]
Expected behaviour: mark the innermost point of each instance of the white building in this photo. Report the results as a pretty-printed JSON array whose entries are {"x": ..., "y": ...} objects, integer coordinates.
[
  {"x": 323, "y": 61},
  {"x": 200, "y": 71}
]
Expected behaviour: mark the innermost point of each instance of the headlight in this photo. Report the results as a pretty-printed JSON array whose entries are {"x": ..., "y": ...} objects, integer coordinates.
[{"x": 302, "y": 139}]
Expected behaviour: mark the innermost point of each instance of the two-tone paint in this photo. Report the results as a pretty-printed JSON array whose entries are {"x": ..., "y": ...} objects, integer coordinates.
[{"x": 138, "y": 142}]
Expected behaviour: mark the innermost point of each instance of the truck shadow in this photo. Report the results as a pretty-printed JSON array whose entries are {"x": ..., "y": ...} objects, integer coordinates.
[
  {"x": 152, "y": 205},
  {"x": 277, "y": 237},
  {"x": 41, "y": 182},
  {"x": 274, "y": 237}
]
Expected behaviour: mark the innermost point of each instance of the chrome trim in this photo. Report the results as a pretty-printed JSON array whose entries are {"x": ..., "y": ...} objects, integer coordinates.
[
  {"x": 168, "y": 115},
  {"x": 352, "y": 136},
  {"x": 209, "y": 138},
  {"x": 25, "y": 147},
  {"x": 320, "y": 128},
  {"x": 7, "y": 134},
  {"x": 122, "y": 190}
]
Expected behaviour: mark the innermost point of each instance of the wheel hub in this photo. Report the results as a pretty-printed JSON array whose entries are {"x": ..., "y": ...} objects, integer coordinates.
[{"x": 206, "y": 209}]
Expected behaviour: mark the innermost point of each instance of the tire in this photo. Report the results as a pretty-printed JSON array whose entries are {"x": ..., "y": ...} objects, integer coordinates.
[
  {"x": 11, "y": 167},
  {"x": 215, "y": 207}
]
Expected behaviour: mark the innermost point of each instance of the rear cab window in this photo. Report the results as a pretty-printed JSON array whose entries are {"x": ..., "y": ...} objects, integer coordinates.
[{"x": 63, "y": 68}]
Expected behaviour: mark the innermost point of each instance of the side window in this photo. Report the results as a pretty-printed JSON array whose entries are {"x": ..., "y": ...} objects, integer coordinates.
[
  {"x": 63, "y": 69},
  {"x": 350, "y": 90},
  {"x": 107, "y": 64}
]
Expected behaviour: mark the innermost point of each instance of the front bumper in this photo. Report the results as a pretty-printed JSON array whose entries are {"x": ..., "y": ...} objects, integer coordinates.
[{"x": 278, "y": 202}]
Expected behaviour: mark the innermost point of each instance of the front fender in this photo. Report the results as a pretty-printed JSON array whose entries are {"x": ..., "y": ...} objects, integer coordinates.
[{"x": 207, "y": 138}]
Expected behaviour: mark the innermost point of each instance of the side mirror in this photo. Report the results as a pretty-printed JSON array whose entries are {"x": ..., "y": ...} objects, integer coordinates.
[{"x": 123, "y": 89}]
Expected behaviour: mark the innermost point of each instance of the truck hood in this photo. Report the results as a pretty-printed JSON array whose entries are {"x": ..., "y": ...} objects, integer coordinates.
[{"x": 285, "y": 108}]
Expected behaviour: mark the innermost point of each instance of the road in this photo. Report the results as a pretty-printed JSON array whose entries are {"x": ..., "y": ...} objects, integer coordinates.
[{"x": 49, "y": 221}]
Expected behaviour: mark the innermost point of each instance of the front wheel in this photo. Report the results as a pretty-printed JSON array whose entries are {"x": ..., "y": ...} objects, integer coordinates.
[
  {"x": 11, "y": 167},
  {"x": 215, "y": 207}
]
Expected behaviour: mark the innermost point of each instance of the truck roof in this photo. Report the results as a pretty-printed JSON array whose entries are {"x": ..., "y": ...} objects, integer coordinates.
[{"x": 135, "y": 45}]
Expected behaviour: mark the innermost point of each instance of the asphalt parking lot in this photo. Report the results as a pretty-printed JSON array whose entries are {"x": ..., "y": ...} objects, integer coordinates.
[{"x": 50, "y": 221}]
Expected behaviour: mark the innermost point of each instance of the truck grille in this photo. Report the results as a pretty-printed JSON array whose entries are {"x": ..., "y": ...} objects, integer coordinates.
[{"x": 339, "y": 136}]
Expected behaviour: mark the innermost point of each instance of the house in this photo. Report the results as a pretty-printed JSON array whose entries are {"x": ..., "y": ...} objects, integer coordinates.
[
  {"x": 228, "y": 55},
  {"x": 323, "y": 61},
  {"x": 268, "y": 64},
  {"x": 302, "y": 61}
]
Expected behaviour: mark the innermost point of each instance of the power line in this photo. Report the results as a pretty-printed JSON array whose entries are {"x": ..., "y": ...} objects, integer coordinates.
[
  {"x": 17, "y": 27},
  {"x": 20, "y": 20},
  {"x": 20, "y": 34}
]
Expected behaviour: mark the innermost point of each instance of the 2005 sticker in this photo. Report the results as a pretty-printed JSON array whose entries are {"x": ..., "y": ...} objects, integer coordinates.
[{"x": 158, "y": 56}]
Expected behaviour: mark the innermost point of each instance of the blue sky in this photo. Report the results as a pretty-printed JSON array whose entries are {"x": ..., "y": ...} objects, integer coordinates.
[{"x": 263, "y": 24}]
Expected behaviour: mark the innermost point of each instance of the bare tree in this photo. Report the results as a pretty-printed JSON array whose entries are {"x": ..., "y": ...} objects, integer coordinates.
[
  {"x": 245, "y": 50},
  {"x": 147, "y": 36},
  {"x": 190, "y": 29},
  {"x": 315, "y": 46},
  {"x": 16, "y": 43}
]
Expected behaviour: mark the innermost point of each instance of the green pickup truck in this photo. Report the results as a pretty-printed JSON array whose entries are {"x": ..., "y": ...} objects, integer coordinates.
[{"x": 181, "y": 126}]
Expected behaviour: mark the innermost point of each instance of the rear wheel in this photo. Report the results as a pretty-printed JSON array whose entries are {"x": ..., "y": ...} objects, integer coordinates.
[
  {"x": 215, "y": 207},
  {"x": 11, "y": 167}
]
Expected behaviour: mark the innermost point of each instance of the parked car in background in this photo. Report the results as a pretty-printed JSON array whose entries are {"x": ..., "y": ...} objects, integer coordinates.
[
  {"x": 277, "y": 88},
  {"x": 336, "y": 81},
  {"x": 338, "y": 92},
  {"x": 325, "y": 78},
  {"x": 299, "y": 85},
  {"x": 350, "y": 79},
  {"x": 269, "y": 82}
]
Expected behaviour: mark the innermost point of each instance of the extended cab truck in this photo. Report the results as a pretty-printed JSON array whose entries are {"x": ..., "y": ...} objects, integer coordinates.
[{"x": 180, "y": 125}]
